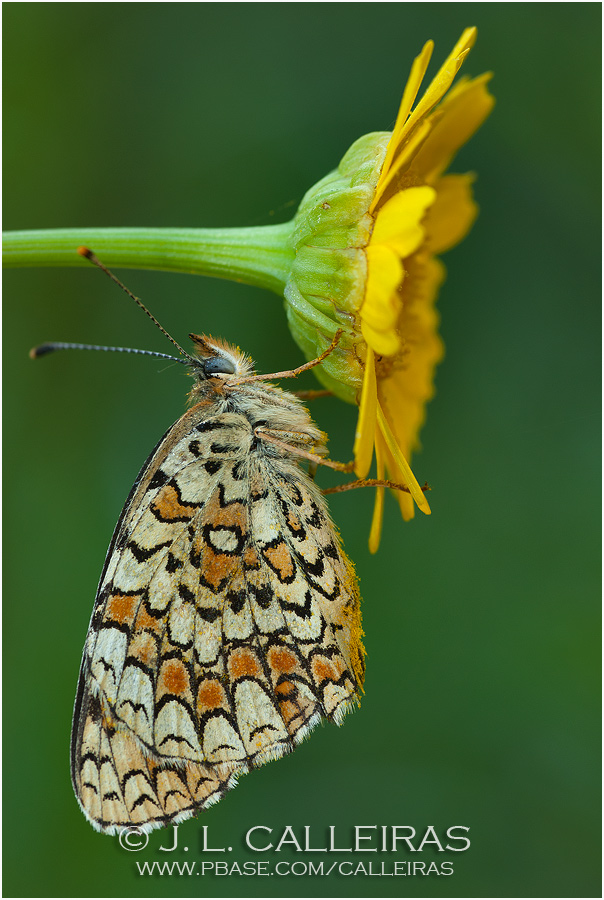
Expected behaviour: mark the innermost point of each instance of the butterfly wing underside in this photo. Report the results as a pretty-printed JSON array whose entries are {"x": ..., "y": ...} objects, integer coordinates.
[{"x": 226, "y": 625}]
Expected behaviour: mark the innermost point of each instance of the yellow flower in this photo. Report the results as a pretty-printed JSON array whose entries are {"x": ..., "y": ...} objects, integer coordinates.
[
  {"x": 417, "y": 212},
  {"x": 359, "y": 256},
  {"x": 364, "y": 242}
]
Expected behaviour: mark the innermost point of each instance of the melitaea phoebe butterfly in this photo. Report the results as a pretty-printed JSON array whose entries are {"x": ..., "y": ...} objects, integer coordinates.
[{"x": 227, "y": 619}]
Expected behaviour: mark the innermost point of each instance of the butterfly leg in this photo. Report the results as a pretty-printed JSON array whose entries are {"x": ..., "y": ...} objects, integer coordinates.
[
  {"x": 312, "y": 395},
  {"x": 293, "y": 373},
  {"x": 371, "y": 482},
  {"x": 305, "y": 454},
  {"x": 317, "y": 460}
]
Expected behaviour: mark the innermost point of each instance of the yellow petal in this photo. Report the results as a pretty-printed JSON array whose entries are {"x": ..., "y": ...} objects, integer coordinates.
[
  {"x": 452, "y": 215},
  {"x": 366, "y": 423},
  {"x": 402, "y": 161},
  {"x": 381, "y": 307},
  {"x": 385, "y": 273},
  {"x": 441, "y": 82},
  {"x": 406, "y": 506},
  {"x": 404, "y": 392},
  {"x": 398, "y": 221},
  {"x": 460, "y": 114},
  {"x": 418, "y": 70},
  {"x": 378, "y": 509},
  {"x": 409, "y": 478},
  {"x": 385, "y": 343},
  {"x": 438, "y": 87},
  {"x": 404, "y": 500},
  {"x": 443, "y": 79}
]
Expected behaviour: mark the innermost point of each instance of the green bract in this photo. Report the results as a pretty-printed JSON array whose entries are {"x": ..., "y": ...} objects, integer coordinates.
[{"x": 326, "y": 284}]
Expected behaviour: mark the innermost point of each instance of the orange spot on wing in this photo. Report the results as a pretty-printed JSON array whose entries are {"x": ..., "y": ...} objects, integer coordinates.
[
  {"x": 288, "y": 711},
  {"x": 121, "y": 608},
  {"x": 282, "y": 660},
  {"x": 217, "y": 566},
  {"x": 280, "y": 559},
  {"x": 243, "y": 662},
  {"x": 168, "y": 506},
  {"x": 285, "y": 688},
  {"x": 293, "y": 521},
  {"x": 217, "y": 516},
  {"x": 326, "y": 670},
  {"x": 233, "y": 514},
  {"x": 145, "y": 621},
  {"x": 174, "y": 678},
  {"x": 210, "y": 696},
  {"x": 251, "y": 558}
]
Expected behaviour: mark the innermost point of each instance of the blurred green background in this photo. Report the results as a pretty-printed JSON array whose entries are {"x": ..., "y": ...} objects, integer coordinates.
[{"x": 481, "y": 705}]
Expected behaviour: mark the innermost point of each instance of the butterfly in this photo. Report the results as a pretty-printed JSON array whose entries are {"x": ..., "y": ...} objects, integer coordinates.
[{"x": 227, "y": 620}]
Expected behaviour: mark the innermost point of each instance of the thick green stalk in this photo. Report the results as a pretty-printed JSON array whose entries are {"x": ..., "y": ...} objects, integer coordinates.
[{"x": 260, "y": 256}]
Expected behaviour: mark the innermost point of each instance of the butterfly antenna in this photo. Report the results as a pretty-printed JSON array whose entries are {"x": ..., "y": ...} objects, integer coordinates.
[
  {"x": 88, "y": 254},
  {"x": 51, "y": 346}
]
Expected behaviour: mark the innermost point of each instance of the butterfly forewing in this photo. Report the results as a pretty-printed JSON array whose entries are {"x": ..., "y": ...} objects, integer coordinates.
[{"x": 227, "y": 620}]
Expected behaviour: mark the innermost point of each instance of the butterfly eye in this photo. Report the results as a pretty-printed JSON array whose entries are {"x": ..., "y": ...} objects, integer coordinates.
[{"x": 218, "y": 365}]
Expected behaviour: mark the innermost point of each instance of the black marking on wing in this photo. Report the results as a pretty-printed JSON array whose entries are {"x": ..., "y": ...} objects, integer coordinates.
[
  {"x": 90, "y": 786},
  {"x": 88, "y": 757},
  {"x": 270, "y": 545},
  {"x": 236, "y": 600},
  {"x": 154, "y": 613},
  {"x": 223, "y": 502},
  {"x": 208, "y": 614},
  {"x": 177, "y": 739},
  {"x": 142, "y": 554},
  {"x": 210, "y": 425},
  {"x": 263, "y": 595},
  {"x": 138, "y": 664},
  {"x": 229, "y": 716},
  {"x": 186, "y": 593},
  {"x": 158, "y": 480},
  {"x": 304, "y": 612},
  {"x": 224, "y": 448},
  {"x": 172, "y": 519},
  {"x": 136, "y": 707},
  {"x": 209, "y": 529},
  {"x": 123, "y": 627},
  {"x": 195, "y": 557},
  {"x": 329, "y": 595},
  {"x": 262, "y": 728},
  {"x": 175, "y": 792},
  {"x": 308, "y": 567},
  {"x": 316, "y": 519},
  {"x": 173, "y": 563},
  {"x": 143, "y": 799},
  {"x": 238, "y": 471}
]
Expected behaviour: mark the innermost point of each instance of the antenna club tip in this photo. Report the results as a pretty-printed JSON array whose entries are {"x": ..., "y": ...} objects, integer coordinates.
[
  {"x": 42, "y": 350},
  {"x": 84, "y": 251}
]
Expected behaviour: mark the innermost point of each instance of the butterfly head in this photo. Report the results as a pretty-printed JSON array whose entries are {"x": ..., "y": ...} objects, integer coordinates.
[{"x": 219, "y": 361}]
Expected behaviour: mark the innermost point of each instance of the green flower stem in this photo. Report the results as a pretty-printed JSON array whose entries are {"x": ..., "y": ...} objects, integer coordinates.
[{"x": 260, "y": 256}]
